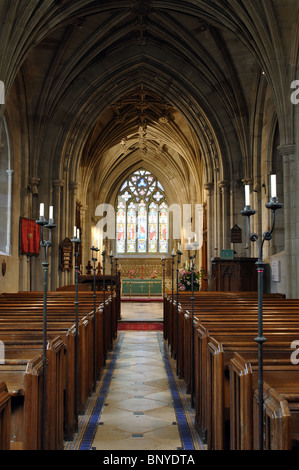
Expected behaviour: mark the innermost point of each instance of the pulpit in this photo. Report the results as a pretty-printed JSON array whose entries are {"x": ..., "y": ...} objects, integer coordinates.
[{"x": 238, "y": 274}]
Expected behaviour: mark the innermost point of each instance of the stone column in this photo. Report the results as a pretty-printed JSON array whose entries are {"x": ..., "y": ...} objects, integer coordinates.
[
  {"x": 209, "y": 187},
  {"x": 71, "y": 218},
  {"x": 86, "y": 252},
  {"x": 56, "y": 233},
  {"x": 225, "y": 218},
  {"x": 287, "y": 153}
]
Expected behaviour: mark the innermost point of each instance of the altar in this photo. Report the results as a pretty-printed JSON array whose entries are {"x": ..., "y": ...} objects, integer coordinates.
[{"x": 148, "y": 287}]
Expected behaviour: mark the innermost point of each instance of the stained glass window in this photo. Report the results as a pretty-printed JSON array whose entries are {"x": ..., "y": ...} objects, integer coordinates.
[
  {"x": 142, "y": 215},
  {"x": 152, "y": 228},
  {"x": 121, "y": 228},
  {"x": 131, "y": 228},
  {"x": 163, "y": 228}
]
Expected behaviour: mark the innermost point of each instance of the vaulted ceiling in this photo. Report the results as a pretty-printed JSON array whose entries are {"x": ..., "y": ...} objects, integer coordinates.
[{"x": 109, "y": 86}]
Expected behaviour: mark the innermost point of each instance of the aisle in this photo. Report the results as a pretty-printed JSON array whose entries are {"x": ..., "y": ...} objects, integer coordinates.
[{"x": 138, "y": 405}]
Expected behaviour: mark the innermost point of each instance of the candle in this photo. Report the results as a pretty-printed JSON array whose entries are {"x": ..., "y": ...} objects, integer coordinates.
[
  {"x": 78, "y": 233},
  {"x": 195, "y": 237},
  {"x": 93, "y": 243},
  {"x": 111, "y": 253},
  {"x": 173, "y": 252},
  {"x": 247, "y": 195},
  {"x": 42, "y": 209},
  {"x": 75, "y": 231},
  {"x": 179, "y": 247},
  {"x": 51, "y": 212},
  {"x": 273, "y": 186}
]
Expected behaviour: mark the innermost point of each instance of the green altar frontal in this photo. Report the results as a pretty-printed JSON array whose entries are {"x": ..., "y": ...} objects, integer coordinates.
[{"x": 146, "y": 287}]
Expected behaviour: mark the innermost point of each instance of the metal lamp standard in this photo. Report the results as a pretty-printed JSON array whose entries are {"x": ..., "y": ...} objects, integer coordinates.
[
  {"x": 94, "y": 260},
  {"x": 179, "y": 253},
  {"x": 76, "y": 240},
  {"x": 104, "y": 303},
  {"x": 45, "y": 244},
  {"x": 163, "y": 291},
  {"x": 117, "y": 299},
  {"x": 267, "y": 236},
  {"x": 112, "y": 303},
  {"x": 191, "y": 262},
  {"x": 172, "y": 297}
]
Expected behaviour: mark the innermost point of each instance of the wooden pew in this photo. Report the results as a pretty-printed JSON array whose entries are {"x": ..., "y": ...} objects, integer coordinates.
[
  {"x": 281, "y": 401},
  {"x": 34, "y": 337},
  {"x": 5, "y": 417},
  {"x": 24, "y": 382},
  {"x": 17, "y": 353},
  {"x": 243, "y": 382},
  {"x": 220, "y": 350},
  {"x": 277, "y": 421},
  {"x": 21, "y": 317}
]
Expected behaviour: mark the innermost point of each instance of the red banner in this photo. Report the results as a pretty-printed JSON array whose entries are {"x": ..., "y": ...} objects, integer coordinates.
[{"x": 30, "y": 237}]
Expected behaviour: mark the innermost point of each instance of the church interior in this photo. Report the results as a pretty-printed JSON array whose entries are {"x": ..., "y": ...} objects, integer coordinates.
[{"x": 140, "y": 140}]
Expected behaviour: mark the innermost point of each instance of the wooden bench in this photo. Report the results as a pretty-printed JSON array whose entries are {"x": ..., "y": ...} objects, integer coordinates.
[
  {"x": 24, "y": 382},
  {"x": 21, "y": 320},
  {"x": 5, "y": 417},
  {"x": 243, "y": 382},
  {"x": 220, "y": 350},
  {"x": 20, "y": 354}
]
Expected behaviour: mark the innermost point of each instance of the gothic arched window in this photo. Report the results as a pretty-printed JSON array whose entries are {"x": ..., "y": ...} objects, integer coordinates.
[{"x": 142, "y": 216}]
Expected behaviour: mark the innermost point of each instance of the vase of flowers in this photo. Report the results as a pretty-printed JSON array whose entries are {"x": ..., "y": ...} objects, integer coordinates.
[
  {"x": 185, "y": 278},
  {"x": 154, "y": 274},
  {"x": 132, "y": 274}
]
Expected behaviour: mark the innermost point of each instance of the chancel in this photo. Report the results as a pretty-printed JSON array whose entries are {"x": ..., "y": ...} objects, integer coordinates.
[{"x": 148, "y": 238}]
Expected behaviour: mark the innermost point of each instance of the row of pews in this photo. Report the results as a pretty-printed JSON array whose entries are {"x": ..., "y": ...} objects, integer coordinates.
[
  {"x": 217, "y": 357},
  {"x": 39, "y": 406}
]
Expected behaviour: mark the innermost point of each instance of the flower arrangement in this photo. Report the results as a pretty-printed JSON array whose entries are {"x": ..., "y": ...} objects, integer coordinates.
[
  {"x": 154, "y": 274},
  {"x": 185, "y": 276},
  {"x": 132, "y": 274}
]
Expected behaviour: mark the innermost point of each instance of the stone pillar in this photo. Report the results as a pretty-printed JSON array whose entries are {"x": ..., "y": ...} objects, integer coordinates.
[
  {"x": 225, "y": 216},
  {"x": 86, "y": 252},
  {"x": 71, "y": 218},
  {"x": 287, "y": 153},
  {"x": 209, "y": 187},
  {"x": 56, "y": 233}
]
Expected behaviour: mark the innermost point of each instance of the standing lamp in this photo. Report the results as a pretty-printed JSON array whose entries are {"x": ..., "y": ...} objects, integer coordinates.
[
  {"x": 45, "y": 244},
  {"x": 179, "y": 253},
  {"x": 172, "y": 297},
  {"x": 191, "y": 262},
  {"x": 163, "y": 292},
  {"x": 104, "y": 304},
  {"x": 94, "y": 259},
  {"x": 117, "y": 299},
  {"x": 267, "y": 236},
  {"x": 112, "y": 303},
  {"x": 76, "y": 240}
]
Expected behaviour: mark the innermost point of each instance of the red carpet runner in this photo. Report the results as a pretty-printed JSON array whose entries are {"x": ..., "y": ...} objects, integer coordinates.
[{"x": 139, "y": 326}]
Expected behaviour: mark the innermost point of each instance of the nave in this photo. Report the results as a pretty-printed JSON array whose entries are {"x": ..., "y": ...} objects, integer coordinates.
[{"x": 139, "y": 403}]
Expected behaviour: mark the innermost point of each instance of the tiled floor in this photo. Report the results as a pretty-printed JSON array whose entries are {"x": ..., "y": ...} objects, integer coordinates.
[
  {"x": 138, "y": 411},
  {"x": 142, "y": 311},
  {"x": 139, "y": 404}
]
